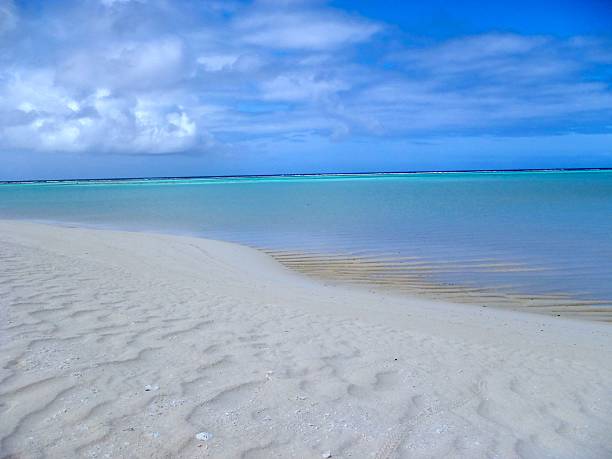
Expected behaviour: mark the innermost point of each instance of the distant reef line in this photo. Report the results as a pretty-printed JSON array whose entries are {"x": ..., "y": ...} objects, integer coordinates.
[{"x": 309, "y": 174}]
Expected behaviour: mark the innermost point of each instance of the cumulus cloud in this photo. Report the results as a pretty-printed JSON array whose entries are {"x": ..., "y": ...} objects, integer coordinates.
[
  {"x": 144, "y": 64},
  {"x": 49, "y": 117},
  {"x": 150, "y": 77}
]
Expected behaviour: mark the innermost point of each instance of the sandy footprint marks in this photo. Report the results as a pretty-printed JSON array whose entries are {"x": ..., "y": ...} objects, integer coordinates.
[{"x": 399, "y": 434}]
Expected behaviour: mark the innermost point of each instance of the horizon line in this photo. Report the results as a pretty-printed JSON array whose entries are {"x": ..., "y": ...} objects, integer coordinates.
[{"x": 305, "y": 174}]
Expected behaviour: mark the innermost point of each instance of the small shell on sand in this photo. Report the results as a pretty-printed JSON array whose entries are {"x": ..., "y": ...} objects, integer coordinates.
[{"x": 204, "y": 436}]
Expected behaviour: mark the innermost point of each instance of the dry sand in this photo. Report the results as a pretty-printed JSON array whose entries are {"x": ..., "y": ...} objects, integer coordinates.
[{"x": 118, "y": 344}]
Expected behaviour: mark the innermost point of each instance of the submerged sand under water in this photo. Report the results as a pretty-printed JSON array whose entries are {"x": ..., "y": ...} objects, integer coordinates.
[
  {"x": 415, "y": 277},
  {"x": 116, "y": 344}
]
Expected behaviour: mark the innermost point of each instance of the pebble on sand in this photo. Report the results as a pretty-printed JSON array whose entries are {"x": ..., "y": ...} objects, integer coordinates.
[{"x": 204, "y": 436}]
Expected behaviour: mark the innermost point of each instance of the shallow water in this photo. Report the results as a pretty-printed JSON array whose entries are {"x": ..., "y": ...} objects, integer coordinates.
[{"x": 519, "y": 233}]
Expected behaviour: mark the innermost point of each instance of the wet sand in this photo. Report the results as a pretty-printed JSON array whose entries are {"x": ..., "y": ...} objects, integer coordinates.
[{"x": 415, "y": 278}]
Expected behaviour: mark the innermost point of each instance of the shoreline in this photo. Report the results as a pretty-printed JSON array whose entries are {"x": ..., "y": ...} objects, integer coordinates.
[
  {"x": 118, "y": 343},
  {"x": 354, "y": 272},
  {"x": 367, "y": 273}
]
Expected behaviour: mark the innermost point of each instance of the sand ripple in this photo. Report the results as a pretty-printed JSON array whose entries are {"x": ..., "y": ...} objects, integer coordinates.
[{"x": 127, "y": 345}]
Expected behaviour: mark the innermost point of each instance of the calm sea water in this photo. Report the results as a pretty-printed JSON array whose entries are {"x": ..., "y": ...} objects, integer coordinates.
[{"x": 525, "y": 232}]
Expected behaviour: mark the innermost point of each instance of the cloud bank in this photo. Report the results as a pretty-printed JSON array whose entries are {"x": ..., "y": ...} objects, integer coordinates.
[{"x": 160, "y": 77}]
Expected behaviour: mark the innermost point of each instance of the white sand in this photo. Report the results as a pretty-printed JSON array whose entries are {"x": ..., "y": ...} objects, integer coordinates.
[{"x": 119, "y": 344}]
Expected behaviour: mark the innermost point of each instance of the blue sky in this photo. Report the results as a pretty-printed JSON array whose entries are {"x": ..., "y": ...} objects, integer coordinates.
[{"x": 98, "y": 88}]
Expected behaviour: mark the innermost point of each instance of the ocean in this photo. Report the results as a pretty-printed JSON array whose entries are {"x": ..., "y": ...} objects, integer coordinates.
[{"x": 538, "y": 239}]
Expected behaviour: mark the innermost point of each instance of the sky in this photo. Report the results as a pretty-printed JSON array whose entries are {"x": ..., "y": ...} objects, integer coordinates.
[{"x": 128, "y": 88}]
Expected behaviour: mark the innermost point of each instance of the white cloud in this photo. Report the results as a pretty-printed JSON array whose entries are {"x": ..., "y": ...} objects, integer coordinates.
[
  {"x": 8, "y": 16},
  {"x": 304, "y": 30},
  {"x": 111, "y": 3},
  {"x": 127, "y": 64},
  {"x": 151, "y": 78},
  {"x": 217, "y": 62},
  {"x": 53, "y": 120},
  {"x": 301, "y": 87}
]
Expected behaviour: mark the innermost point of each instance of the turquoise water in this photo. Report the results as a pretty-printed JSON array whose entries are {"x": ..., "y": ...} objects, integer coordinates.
[{"x": 526, "y": 232}]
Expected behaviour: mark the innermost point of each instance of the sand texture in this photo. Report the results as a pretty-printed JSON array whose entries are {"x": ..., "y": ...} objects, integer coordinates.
[{"x": 116, "y": 344}]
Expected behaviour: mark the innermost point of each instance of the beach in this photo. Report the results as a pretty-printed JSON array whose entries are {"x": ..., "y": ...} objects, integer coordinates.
[
  {"x": 130, "y": 344},
  {"x": 538, "y": 239}
]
